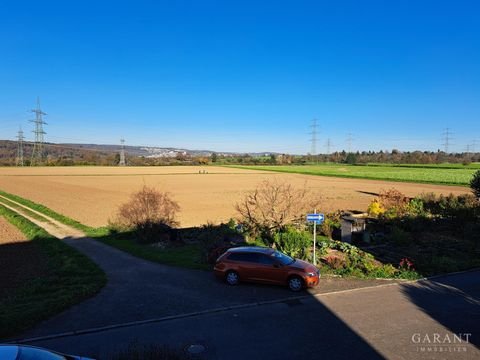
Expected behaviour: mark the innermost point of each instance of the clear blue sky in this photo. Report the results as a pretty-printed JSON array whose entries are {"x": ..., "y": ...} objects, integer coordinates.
[{"x": 243, "y": 75}]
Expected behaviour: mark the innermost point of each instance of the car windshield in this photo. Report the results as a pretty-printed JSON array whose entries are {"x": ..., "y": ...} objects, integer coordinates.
[
  {"x": 282, "y": 258},
  {"x": 31, "y": 353}
]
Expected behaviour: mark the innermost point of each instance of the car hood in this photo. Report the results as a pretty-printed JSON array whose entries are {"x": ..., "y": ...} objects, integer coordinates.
[{"x": 303, "y": 265}]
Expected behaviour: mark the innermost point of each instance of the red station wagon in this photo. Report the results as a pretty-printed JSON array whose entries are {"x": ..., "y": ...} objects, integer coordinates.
[{"x": 265, "y": 265}]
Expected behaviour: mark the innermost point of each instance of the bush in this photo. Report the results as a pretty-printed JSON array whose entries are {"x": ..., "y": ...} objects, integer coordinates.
[
  {"x": 394, "y": 203},
  {"x": 415, "y": 208},
  {"x": 332, "y": 221},
  {"x": 441, "y": 265},
  {"x": 273, "y": 206},
  {"x": 475, "y": 184},
  {"x": 348, "y": 260},
  {"x": 335, "y": 262},
  {"x": 150, "y": 213},
  {"x": 399, "y": 236},
  {"x": 216, "y": 239},
  {"x": 383, "y": 271},
  {"x": 375, "y": 209},
  {"x": 461, "y": 207},
  {"x": 294, "y": 243}
]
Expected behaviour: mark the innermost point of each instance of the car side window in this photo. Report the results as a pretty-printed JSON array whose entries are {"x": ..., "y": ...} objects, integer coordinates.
[
  {"x": 250, "y": 257},
  {"x": 265, "y": 259},
  {"x": 247, "y": 257},
  {"x": 235, "y": 257}
]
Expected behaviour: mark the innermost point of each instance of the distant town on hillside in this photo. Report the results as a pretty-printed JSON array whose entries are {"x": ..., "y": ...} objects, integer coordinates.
[{"x": 62, "y": 154}]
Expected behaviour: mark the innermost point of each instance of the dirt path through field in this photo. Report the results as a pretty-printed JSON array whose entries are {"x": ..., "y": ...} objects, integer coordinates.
[{"x": 52, "y": 226}]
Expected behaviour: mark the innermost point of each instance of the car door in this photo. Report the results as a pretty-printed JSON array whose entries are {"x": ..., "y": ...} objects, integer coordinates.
[
  {"x": 247, "y": 266},
  {"x": 268, "y": 270}
]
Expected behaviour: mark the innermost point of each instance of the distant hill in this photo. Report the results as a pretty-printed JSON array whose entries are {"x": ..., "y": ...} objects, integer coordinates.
[
  {"x": 57, "y": 154},
  {"x": 100, "y": 154}
]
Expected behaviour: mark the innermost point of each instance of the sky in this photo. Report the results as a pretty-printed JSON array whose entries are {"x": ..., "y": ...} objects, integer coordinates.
[{"x": 244, "y": 76}]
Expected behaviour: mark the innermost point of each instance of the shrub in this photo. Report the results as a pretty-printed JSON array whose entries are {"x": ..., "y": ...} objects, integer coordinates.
[
  {"x": 383, "y": 271},
  {"x": 274, "y": 205},
  {"x": 399, "y": 236},
  {"x": 294, "y": 243},
  {"x": 406, "y": 264},
  {"x": 415, "y": 208},
  {"x": 475, "y": 184},
  {"x": 150, "y": 213},
  {"x": 351, "y": 261},
  {"x": 335, "y": 262},
  {"x": 332, "y": 221},
  {"x": 215, "y": 252},
  {"x": 440, "y": 265},
  {"x": 375, "y": 209},
  {"x": 216, "y": 239},
  {"x": 461, "y": 207},
  {"x": 394, "y": 203}
]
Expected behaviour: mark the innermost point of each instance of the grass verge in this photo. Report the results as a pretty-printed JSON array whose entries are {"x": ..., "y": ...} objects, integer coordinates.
[
  {"x": 71, "y": 277},
  {"x": 54, "y": 215},
  {"x": 28, "y": 212},
  {"x": 187, "y": 256}
]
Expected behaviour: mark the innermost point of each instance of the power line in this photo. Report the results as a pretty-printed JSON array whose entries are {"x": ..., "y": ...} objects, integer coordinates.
[
  {"x": 328, "y": 145},
  {"x": 313, "y": 139},
  {"x": 122, "y": 153},
  {"x": 20, "y": 139},
  {"x": 447, "y": 139},
  {"x": 37, "y": 153},
  {"x": 349, "y": 142}
]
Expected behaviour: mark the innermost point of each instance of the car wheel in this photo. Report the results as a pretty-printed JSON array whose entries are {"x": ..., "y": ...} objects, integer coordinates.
[
  {"x": 232, "y": 278},
  {"x": 295, "y": 283}
]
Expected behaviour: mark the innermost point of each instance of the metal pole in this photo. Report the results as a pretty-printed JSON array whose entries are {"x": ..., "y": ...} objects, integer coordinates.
[{"x": 314, "y": 239}]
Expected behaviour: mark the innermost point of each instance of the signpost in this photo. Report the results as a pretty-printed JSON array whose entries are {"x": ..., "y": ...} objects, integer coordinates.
[{"x": 316, "y": 219}]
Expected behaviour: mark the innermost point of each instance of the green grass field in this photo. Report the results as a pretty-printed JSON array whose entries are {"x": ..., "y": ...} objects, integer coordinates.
[{"x": 443, "y": 174}]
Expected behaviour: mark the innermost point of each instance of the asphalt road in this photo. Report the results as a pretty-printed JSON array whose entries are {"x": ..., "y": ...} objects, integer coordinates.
[
  {"x": 396, "y": 322},
  {"x": 140, "y": 290}
]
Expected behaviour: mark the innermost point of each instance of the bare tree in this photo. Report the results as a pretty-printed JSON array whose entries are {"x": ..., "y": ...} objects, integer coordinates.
[{"x": 273, "y": 205}]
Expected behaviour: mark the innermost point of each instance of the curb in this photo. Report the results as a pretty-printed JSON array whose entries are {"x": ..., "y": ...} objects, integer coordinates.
[
  {"x": 433, "y": 277},
  {"x": 191, "y": 314}
]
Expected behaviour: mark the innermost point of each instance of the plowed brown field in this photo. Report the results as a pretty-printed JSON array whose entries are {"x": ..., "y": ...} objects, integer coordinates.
[
  {"x": 16, "y": 252},
  {"x": 91, "y": 195}
]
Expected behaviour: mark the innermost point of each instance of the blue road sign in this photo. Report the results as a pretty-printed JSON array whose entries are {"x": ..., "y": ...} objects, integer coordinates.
[
  {"x": 317, "y": 218},
  {"x": 313, "y": 217}
]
